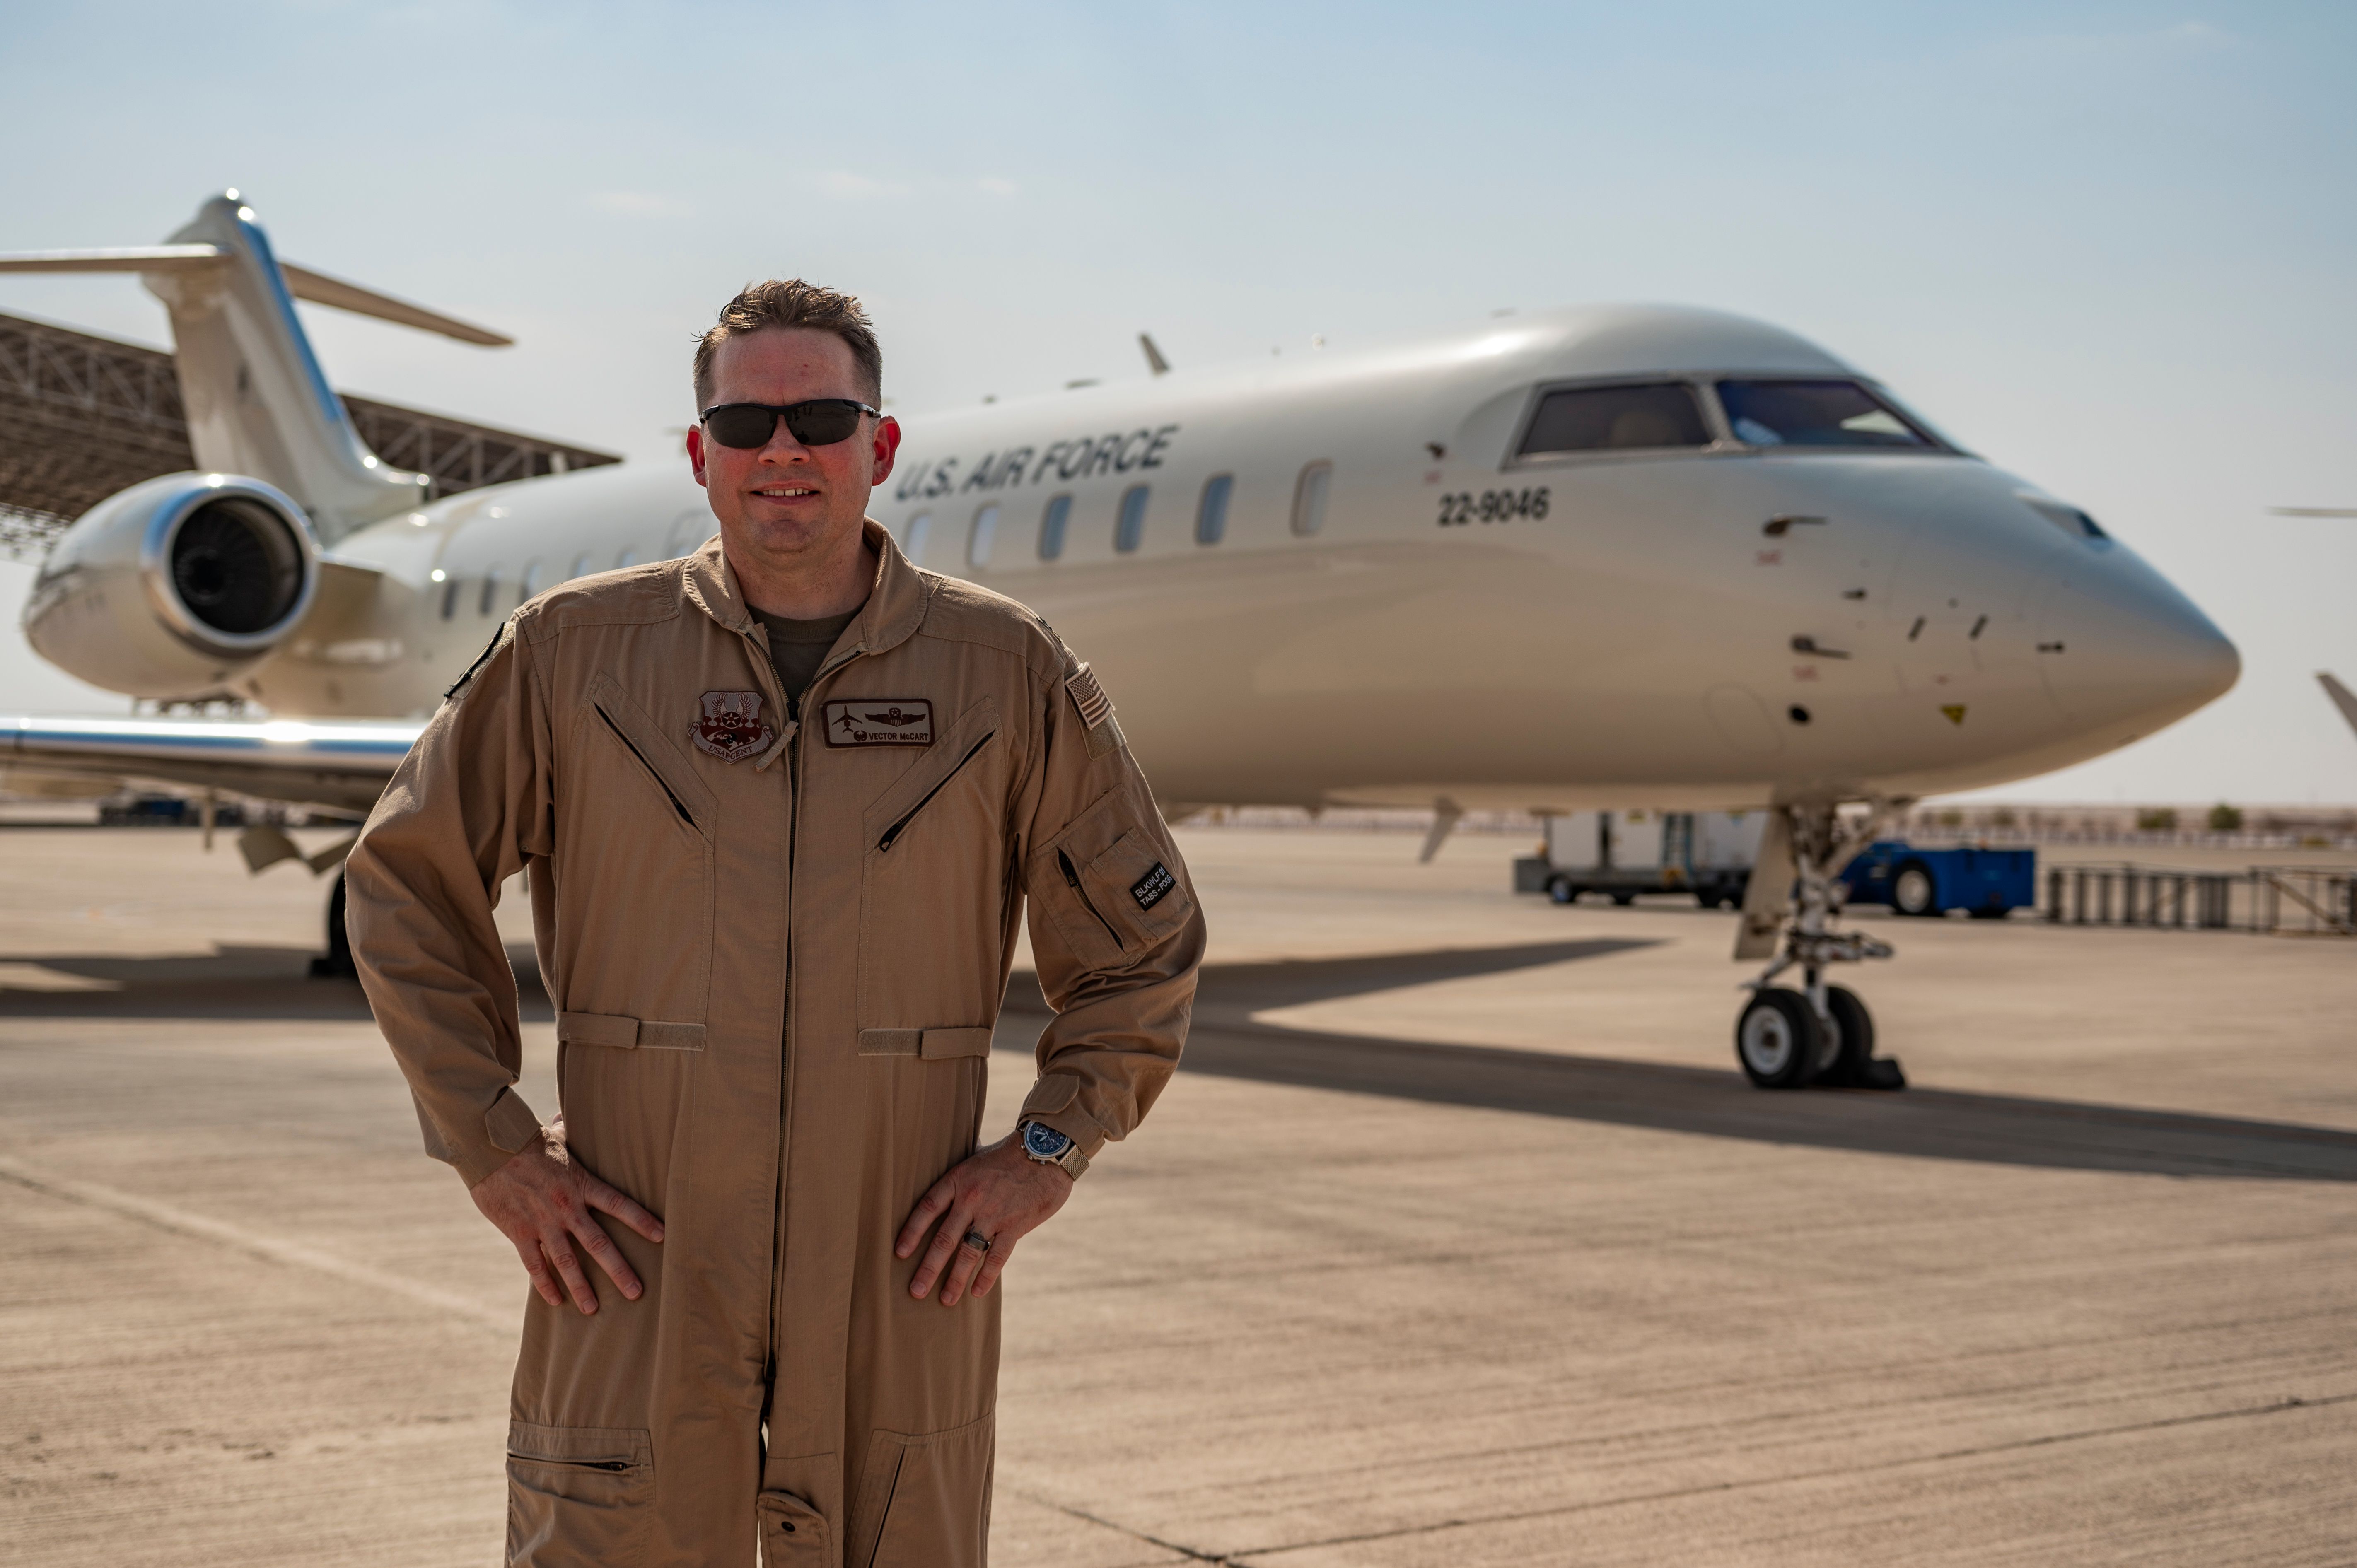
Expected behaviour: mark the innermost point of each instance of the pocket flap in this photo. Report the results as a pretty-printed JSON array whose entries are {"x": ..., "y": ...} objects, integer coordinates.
[
  {"x": 791, "y": 1531},
  {"x": 941, "y": 1044}
]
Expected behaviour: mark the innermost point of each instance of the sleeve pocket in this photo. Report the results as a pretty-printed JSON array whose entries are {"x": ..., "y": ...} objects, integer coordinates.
[{"x": 1133, "y": 887}]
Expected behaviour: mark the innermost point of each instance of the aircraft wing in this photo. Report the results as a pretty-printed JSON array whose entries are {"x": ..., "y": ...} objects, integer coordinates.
[{"x": 341, "y": 764}]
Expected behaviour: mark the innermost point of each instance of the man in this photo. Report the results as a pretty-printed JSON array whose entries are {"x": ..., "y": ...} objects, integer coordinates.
[{"x": 781, "y": 802}]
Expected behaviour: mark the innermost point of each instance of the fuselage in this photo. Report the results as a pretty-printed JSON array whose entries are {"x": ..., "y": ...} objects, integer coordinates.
[{"x": 1387, "y": 578}]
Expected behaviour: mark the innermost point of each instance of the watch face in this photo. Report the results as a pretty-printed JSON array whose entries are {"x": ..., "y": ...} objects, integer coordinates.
[{"x": 1044, "y": 1142}]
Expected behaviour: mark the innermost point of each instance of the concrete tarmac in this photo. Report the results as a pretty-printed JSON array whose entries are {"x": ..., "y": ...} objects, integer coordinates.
[{"x": 1459, "y": 1240}]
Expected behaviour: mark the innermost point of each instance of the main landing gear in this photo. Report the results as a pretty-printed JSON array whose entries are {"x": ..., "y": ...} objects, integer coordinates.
[{"x": 1820, "y": 1034}]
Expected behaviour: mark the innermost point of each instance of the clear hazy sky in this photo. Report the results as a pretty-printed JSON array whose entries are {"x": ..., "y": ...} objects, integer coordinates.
[{"x": 2109, "y": 246}]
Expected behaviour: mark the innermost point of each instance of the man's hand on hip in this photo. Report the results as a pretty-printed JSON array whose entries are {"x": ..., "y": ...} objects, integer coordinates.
[
  {"x": 1000, "y": 1194},
  {"x": 541, "y": 1201}
]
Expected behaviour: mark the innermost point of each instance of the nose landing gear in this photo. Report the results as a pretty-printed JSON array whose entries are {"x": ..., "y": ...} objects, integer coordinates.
[{"x": 1821, "y": 1034}]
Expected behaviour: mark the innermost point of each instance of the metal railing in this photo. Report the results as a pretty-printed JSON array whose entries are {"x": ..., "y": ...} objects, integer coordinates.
[{"x": 2286, "y": 900}]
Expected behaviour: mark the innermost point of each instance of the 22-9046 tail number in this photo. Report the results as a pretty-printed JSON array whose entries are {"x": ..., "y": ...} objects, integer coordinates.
[{"x": 1464, "y": 508}]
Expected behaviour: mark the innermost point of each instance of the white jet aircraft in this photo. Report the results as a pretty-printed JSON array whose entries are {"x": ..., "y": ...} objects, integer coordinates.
[{"x": 1590, "y": 557}]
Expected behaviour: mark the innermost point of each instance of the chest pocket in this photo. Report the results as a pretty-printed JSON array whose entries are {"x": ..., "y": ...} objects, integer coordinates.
[
  {"x": 633, "y": 868},
  {"x": 933, "y": 884}
]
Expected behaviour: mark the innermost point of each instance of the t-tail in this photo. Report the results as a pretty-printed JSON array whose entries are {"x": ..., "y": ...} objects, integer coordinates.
[
  {"x": 257, "y": 403},
  {"x": 179, "y": 586}
]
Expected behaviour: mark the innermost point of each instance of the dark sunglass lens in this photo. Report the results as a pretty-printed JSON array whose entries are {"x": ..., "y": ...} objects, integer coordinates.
[
  {"x": 821, "y": 423},
  {"x": 741, "y": 424}
]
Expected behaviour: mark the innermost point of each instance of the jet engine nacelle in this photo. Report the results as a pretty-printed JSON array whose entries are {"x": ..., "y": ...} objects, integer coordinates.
[{"x": 175, "y": 587}]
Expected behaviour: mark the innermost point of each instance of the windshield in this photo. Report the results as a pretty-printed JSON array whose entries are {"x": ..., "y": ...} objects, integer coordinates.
[
  {"x": 1817, "y": 413},
  {"x": 1605, "y": 419}
]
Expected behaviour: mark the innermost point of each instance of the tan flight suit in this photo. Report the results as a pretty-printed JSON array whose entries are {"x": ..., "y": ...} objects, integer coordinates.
[{"x": 776, "y": 949}]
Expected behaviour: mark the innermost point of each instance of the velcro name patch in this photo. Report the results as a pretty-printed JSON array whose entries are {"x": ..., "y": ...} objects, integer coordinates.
[
  {"x": 1149, "y": 889},
  {"x": 880, "y": 721}
]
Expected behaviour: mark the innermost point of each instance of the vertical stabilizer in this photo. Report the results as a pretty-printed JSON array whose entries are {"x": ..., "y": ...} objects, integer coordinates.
[{"x": 257, "y": 401}]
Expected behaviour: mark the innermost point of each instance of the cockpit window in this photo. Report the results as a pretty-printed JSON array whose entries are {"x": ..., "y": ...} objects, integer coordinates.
[
  {"x": 1817, "y": 413},
  {"x": 1616, "y": 419}
]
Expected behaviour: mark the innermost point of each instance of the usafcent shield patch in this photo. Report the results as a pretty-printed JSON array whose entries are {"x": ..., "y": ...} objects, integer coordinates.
[{"x": 730, "y": 726}]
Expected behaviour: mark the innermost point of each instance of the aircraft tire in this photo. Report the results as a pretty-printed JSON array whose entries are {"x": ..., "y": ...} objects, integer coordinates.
[
  {"x": 1852, "y": 1047},
  {"x": 336, "y": 963},
  {"x": 1778, "y": 1040},
  {"x": 1915, "y": 890}
]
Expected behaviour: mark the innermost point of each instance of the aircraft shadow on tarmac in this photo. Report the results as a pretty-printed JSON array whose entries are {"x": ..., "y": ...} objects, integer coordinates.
[
  {"x": 1924, "y": 1123},
  {"x": 272, "y": 983},
  {"x": 256, "y": 983}
]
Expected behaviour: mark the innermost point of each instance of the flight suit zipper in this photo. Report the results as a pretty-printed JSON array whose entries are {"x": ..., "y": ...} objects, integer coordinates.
[
  {"x": 1086, "y": 903},
  {"x": 892, "y": 833},
  {"x": 785, "y": 1044}
]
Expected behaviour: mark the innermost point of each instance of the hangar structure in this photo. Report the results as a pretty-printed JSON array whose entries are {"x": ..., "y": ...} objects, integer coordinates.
[{"x": 83, "y": 416}]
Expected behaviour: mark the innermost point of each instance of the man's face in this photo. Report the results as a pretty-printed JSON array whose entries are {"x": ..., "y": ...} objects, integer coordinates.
[{"x": 786, "y": 500}]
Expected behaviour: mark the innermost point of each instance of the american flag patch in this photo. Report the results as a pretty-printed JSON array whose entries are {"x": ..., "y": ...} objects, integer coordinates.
[{"x": 1088, "y": 696}]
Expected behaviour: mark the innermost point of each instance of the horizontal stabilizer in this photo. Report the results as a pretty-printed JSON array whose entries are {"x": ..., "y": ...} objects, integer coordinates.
[
  {"x": 321, "y": 289},
  {"x": 301, "y": 281},
  {"x": 122, "y": 259}
]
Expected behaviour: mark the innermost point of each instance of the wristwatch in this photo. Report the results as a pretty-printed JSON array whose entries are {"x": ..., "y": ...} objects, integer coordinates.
[{"x": 1049, "y": 1147}]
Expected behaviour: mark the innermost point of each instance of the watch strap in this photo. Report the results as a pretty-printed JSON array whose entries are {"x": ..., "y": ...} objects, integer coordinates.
[{"x": 1072, "y": 1162}]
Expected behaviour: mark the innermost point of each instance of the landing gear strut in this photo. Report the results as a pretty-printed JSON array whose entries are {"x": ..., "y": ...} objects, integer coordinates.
[{"x": 1820, "y": 1034}]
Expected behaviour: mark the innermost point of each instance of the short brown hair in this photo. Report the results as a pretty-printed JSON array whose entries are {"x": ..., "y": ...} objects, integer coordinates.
[{"x": 791, "y": 302}]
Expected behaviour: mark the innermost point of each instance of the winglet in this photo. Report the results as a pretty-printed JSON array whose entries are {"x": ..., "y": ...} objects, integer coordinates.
[
  {"x": 1153, "y": 359},
  {"x": 2343, "y": 698}
]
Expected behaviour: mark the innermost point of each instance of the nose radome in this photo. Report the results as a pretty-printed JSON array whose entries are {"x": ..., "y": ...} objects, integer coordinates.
[{"x": 2119, "y": 643}]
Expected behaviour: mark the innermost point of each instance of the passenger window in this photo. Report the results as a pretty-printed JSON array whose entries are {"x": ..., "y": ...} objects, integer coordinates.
[
  {"x": 1052, "y": 523},
  {"x": 628, "y": 557},
  {"x": 529, "y": 584},
  {"x": 491, "y": 592},
  {"x": 580, "y": 567},
  {"x": 1616, "y": 419},
  {"x": 1212, "y": 511},
  {"x": 449, "y": 598},
  {"x": 1131, "y": 526},
  {"x": 1310, "y": 497},
  {"x": 920, "y": 529},
  {"x": 985, "y": 533},
  {"x": 1817, "y": 413}
]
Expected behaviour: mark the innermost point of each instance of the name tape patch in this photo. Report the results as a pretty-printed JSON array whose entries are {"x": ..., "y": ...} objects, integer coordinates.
[
  {"x": 880, "y": 721},
  {"x": 1148, "y": 889}
]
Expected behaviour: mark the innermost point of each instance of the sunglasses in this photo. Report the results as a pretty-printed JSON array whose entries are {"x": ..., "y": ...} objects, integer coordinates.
[{"x": 822, "y": 422}]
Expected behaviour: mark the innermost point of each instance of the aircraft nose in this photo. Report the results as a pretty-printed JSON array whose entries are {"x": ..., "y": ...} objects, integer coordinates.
[{"x": 2118, "y": 643}]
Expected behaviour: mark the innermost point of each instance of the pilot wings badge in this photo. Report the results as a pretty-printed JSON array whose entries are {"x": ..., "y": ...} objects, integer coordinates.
[
  {"x": 880, "y": 721},
  {"x": 730, "y": 727}
]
